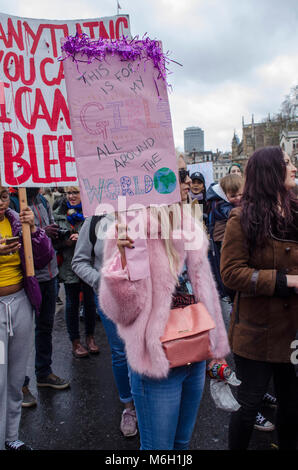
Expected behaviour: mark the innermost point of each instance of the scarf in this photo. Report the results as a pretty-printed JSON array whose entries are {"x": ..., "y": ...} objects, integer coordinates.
[
  {"x": 76, "y": 216},
  {"x": 199, "y": 196}
]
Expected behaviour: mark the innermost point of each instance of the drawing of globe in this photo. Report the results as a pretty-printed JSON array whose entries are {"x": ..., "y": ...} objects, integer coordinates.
[{"x": 165, "y": 181}]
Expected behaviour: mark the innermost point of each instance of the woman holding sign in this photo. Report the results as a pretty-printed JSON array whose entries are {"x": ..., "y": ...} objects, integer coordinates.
[
  {"x": 166, "y": 397},
  {"x": 19, "y": 295}
]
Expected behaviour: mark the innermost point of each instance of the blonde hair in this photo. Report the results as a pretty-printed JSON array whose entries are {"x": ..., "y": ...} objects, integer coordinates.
[
  {"x": 168, "y": 223},
  {"x": 168, "y": 218},
  {"x": 72, "y": 188}
]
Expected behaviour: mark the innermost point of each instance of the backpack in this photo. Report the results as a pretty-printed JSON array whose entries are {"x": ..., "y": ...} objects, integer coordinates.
[
  {"x": 92, "y": 235},
  {"x": 14, "y": 202},
  {"x": 44, "y": 202}
]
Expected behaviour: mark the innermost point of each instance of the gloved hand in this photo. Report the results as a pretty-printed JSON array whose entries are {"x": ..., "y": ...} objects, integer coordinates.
[{"x": 52, "y": 231}]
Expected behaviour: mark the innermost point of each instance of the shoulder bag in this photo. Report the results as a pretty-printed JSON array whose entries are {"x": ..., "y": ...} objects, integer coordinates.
[{"x": 186, "y": 336}]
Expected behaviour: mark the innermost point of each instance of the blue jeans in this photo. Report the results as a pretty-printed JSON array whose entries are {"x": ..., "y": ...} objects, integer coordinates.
[
  {"x": 167, "y": 408},
  {"x": 44, "y": 323},
  {"x": 119, "y": 362},
  {"x": 97, "y": 306},
  {"x": 72, "y": 293}
]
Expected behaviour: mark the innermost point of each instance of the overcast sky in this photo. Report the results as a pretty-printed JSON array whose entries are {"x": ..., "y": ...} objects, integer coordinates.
[{"x": 239, "y": 57}]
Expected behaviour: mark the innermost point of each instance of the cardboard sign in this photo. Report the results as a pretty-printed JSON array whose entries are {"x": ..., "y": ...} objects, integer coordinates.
[
  {"x": 36, "y": 143},
  {"x": 206, "y": 168},
  {"x": 122, "y": 133}
]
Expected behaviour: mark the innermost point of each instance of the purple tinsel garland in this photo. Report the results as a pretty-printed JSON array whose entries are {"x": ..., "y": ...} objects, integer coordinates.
[{"x": 128, "y": 49}]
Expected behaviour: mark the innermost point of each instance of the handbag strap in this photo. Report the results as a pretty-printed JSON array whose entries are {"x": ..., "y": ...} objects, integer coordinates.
[{"x": 182, "y": 300}]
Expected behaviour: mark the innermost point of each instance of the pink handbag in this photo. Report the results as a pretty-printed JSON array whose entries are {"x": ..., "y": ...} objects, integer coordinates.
[{"x": 186, "y": 336}]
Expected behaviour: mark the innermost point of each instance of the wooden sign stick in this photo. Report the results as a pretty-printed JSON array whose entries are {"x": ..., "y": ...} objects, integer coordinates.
[{"x": 26, "y": 235}]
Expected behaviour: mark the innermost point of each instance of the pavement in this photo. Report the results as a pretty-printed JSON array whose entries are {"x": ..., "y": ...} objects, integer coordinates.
[{"x": 87, "y": 415}]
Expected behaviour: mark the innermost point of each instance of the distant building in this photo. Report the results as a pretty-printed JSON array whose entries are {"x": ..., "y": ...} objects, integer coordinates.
[
  {"x": 289, "y": 143},
  {"x": 200, "y": 157},
  {"x": 221, "y": 162},
  {"x": 220, "y": 169},
  {"x": 193, "y": 139},
  {"x": 260, "y": 134}
]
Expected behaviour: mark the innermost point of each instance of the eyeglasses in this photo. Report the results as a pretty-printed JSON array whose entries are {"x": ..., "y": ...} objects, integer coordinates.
[
  {"x": 69, "y": 193},
  {"x": 183, "y": 174},
  {"x": 4, "y": 196}
]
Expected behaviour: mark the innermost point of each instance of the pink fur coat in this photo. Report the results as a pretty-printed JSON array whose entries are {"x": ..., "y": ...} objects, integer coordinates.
[{"x": 141, "y": 308}]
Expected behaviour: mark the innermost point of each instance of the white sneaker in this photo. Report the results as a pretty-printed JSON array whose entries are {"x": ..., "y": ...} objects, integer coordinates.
[
  {"x": 128, "y": 425},
  {"x": 262, "y": 424},
  {"x": 16, "y": 445}
]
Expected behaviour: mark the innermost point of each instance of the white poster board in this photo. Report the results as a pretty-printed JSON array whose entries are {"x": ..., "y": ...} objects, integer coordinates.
[
  {"x": 206, "y": 169},
  {"x": 36, "y": 142}
]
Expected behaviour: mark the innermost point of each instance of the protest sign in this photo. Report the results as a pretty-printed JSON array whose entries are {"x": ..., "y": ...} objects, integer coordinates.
[
  {"x": 36, "y": 142},
  {"x": 121, "y": 124}
]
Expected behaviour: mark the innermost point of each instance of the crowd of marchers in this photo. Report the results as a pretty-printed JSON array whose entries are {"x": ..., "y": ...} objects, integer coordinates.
[{"x": 248, "y": 257}]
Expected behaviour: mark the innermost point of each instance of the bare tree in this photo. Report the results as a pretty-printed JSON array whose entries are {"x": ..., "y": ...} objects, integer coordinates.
[{"x": 289, "y": 107}]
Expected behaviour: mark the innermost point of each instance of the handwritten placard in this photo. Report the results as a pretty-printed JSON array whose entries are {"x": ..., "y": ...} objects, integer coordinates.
[
  {"x": 122, "y": 133},
  {"x": 36, "y": 142},
  {"x": 206, "y": 168}
]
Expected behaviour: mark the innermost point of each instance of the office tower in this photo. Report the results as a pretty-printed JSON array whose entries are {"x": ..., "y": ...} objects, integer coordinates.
[{"x": 193, "y": 139}]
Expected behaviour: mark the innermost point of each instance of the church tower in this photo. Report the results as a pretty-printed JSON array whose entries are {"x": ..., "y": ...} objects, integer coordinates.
[{"x": 235, "y": 143}]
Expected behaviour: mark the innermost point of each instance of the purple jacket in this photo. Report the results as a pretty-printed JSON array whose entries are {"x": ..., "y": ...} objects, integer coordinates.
[{"x": 43, "y": 252}]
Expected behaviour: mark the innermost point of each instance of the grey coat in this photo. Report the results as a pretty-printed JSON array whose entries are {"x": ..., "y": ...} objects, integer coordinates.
[
  {"x": 86, "y": 266},
  {"x": 42, "y": 217}
]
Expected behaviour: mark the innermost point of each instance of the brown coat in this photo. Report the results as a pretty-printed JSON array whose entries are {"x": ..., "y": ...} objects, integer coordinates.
[{"x": 265, "y": 324}]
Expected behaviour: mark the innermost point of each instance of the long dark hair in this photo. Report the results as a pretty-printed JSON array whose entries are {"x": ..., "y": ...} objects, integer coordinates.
[{"x": 264, "y": 195}]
